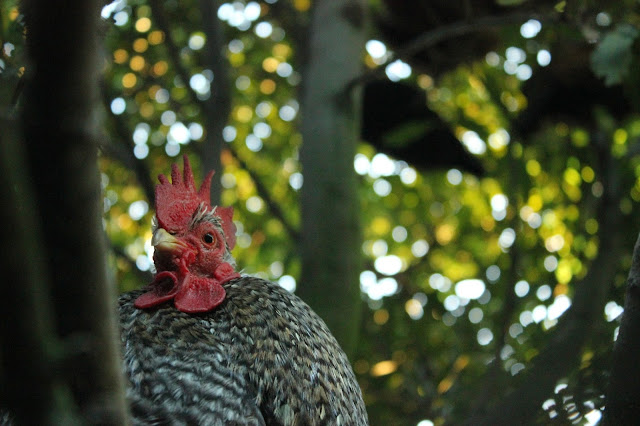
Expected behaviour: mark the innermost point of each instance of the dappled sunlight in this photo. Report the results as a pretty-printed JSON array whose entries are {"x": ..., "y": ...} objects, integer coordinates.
[
  {"x": 470, "y": 289},
  {"x": 455, "y": 265}
]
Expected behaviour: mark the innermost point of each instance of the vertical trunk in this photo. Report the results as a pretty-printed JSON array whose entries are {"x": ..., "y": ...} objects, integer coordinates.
[
  {"x": 59, "y": 126},
  {"x": 622, "y": 404},
  {"x": 216, "y": 108},
  {"x": 331, "y": 241},
  {"x": 31, "y": 387}
]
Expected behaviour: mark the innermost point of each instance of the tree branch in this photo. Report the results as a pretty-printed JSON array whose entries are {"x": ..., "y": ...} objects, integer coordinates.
[
  {"x": 274, "y": 207},
  {"x": 144, "y": 276},
  {"x": 123, "y": 152},
  {"x": 297, "y": 24},
  {"x": 172, "y": 48},
  {"x": 495, "y": 375},
  {"x": 445, "y": 32}
]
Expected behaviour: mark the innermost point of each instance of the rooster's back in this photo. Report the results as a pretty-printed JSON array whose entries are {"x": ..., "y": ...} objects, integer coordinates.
[{"x": 262, "y": 357}]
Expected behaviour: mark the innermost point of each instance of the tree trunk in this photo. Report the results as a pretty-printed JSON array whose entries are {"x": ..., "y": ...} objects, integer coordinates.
[
  {"x": 217, "y": 107},
  {"x": 31, "y": 387},
  {"x": 622, "y": 403},
  {"x": 59, "y": 128},
  {"x": 331, "y": 240}
]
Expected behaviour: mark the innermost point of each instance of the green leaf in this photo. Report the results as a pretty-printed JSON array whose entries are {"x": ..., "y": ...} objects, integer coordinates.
[
  {"x": 560, "y": 6},
  {"x": 510, "y": 2},
  {"x": 406, "y": 133},
  {"x": 612, "y": 58}
]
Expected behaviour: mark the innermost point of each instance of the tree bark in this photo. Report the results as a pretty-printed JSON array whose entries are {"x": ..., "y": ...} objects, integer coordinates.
[
  {"x": 331, "y": 240},
  {"x": 59, "y": 121},
  {"x": 622, "y": 403},
  {"x": 32, "y": 387},
  {"x": 218, "y": 106}
]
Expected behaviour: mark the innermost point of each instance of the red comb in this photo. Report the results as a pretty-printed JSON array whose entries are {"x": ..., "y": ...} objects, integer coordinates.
[
  {"x": 228, "y": 227},
  {"x": 177, "y": 201}
]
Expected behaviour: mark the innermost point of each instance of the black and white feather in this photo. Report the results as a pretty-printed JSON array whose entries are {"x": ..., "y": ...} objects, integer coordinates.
[{"x": 263, "y": 357}]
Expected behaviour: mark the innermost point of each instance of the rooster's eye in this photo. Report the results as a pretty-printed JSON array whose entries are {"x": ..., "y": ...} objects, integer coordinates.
[{"x": 207, "y": 238}]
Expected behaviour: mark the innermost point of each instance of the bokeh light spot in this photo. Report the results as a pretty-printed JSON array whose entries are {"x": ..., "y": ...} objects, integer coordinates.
[
  {"x": 118, "y": 105},
  {"x": 530, "y": 29},
  {"x": 398, "y": 70},
  {"x": 543, "y": 57},
  {"x": 288, "y": 283},
  {"x": 420, "y": 248},
  {"x": 484, "y": 336},
  {"x": 521, "y": 288},
  {"x": 143, "y": 25},
  {"x": 155, "y": 37},
  {"x": 263, "y": 29},
  {"x": 470, "y": 288},
  {"x": 414, "y": 309},
  {"x": 129, "y": 80},
  {"x": 267, "y": 86},
  {"x": 473, "y": 142},
  {"x": 196, "y": 41},
  {"x": 140, "y": 45}
]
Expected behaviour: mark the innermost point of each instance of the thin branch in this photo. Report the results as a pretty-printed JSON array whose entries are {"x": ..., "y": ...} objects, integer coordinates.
[
  {"x": 495, "y": 371},
  {"x": 123, "y": 152},
  {"x": 17, "y": 91},
  {"x": 172, "y": 48},
  {"x": 445, "y": 32},
  {"x": 495, "y": 375},
  {"x": 274, "y": 207},
  {"x": 144, "y": 276},
  {"x": 456, "y": 29},
  {"x": 297, "y": 24}
]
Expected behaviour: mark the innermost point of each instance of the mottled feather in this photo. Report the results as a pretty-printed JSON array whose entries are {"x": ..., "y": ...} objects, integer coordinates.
[{"x": 261, "y": 357}]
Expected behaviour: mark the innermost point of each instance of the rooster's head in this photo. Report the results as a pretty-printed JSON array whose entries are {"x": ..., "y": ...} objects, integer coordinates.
[{"x": 192, "y": 242}]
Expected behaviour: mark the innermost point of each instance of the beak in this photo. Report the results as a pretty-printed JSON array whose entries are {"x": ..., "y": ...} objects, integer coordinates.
[{"x": 164, "y": 241}]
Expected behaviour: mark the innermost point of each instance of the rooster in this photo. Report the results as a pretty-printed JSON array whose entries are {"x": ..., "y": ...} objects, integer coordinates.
[{"x": 205, "y": 345}]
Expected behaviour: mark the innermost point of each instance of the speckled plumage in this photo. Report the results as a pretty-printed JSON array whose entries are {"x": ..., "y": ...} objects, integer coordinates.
[
  {"x": 205, "y": 345},
  {"x": 261, "y": 357}
]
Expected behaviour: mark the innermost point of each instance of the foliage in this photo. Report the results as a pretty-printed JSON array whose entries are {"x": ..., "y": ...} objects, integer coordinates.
[
  {"x": 466, "y": 277},
  {"x": 165, "y": 119},
  {"x": 612, "y": 58}
]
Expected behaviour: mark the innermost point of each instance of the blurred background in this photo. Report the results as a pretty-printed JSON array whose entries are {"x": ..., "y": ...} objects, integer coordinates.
[{"x": 498, "y": 155}]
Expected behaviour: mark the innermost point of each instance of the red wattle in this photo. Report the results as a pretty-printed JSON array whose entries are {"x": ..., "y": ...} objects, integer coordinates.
[
  {"x": 198, "y": 294},
  {"x": 164, "y": 287},
  {"x": 190, "y": 293}
]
